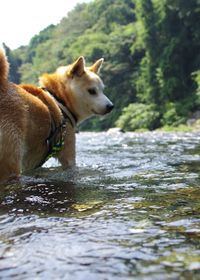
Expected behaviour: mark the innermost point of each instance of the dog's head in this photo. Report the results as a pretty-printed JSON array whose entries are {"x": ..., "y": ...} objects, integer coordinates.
[{"x": 85, "y": 88}]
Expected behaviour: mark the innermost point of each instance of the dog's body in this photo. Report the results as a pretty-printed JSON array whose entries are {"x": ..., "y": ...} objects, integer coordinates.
[{"x": 33, "y": 120}]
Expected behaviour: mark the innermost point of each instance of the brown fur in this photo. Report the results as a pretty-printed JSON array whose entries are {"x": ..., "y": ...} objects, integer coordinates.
[
  {"x": 4, "y": 68},
  {"x": 26, "y": 114}
]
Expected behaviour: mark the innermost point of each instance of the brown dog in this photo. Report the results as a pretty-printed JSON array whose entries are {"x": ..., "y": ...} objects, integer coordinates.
[{"x": 34, "y": 121}]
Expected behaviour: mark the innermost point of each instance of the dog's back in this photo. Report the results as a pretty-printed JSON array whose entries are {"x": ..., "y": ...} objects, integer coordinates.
[
  {"x": 11, "y": 124},
  {"x": 22, "y": 111}
]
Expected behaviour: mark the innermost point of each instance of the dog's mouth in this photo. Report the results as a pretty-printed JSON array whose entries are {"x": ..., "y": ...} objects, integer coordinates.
[
  {"x": 95, "y": 112},
  {"x": 107, "y": 110},
  {"x": 99, "y": 113}
]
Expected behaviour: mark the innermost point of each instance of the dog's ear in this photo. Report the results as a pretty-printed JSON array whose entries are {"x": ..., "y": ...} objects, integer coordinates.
[
  {"x": 78, "y": 67},
  {"x": 97, "y": 66}
]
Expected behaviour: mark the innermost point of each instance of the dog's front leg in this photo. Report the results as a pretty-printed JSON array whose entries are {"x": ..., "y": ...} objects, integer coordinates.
[{"x": 68, "y": 153}]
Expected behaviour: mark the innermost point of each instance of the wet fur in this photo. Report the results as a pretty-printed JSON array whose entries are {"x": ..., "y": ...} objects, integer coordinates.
[{"x": 26, "y": 113}]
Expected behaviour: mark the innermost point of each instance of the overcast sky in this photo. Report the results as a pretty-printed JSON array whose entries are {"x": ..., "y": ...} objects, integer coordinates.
[{"x": 20, "y": 20}]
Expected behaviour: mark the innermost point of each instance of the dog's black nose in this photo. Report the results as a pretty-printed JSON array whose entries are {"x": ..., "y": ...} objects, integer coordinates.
[{"x": 109, "y": 107}]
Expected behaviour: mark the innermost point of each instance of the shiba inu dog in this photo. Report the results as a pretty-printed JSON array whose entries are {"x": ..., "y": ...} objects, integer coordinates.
[{"x": 35, "y": 121}]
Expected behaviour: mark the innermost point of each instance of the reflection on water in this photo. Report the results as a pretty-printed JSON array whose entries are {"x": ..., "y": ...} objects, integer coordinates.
[{"x": 130, "y": 210}]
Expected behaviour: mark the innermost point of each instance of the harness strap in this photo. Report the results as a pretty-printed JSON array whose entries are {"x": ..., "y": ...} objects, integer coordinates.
[
  {"x": 65, "y": 111},
  {"x": 57, "y": 136}
]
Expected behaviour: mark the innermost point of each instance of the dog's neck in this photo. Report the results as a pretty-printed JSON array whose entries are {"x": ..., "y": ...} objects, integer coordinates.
[
  {"x": 57, "y": 89},
  {"x": 67, "y": 114}
]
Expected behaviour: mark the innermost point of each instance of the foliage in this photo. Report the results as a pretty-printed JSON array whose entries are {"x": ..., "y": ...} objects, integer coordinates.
[
  {"x": 151, "y": 50},
  {"x": 171, "y": 41},
  {"x": 196, "y": 76},
  {"x": 138, "y": 116}
]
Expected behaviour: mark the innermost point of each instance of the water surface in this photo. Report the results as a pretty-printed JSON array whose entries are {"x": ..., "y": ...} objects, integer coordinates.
[{"x": 130, "y": 210}]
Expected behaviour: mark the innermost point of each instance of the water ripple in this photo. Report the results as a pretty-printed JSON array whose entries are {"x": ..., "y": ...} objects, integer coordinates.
[{"x": 130, "y": 210}]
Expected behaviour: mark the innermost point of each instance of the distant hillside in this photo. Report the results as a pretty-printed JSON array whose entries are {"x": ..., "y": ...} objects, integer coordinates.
[
  {"x": 151, "y": 51},
  {"x": 94, "y": 30}
]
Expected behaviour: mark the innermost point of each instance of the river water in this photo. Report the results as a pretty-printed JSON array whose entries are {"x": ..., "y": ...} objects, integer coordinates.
[{"x": 130, "y": 210}]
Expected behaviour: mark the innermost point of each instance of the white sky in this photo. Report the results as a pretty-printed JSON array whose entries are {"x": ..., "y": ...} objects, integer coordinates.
[{"x": 20, "y": 20}]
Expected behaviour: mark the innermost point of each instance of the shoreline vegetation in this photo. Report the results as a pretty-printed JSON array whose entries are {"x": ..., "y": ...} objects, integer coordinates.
[
  {"x": 152, "y": 59},
  {"x": 181, "y": 128},
  {"x": 191, "y": 125}
]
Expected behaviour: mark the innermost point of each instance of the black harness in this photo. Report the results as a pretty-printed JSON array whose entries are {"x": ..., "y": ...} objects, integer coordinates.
[{"x": 57, "y": 134}]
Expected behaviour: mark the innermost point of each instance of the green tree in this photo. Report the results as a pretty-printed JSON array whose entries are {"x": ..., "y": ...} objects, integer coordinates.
[
  {"x": 151, "y": 50},
  {"x": 170, "y": 38}
]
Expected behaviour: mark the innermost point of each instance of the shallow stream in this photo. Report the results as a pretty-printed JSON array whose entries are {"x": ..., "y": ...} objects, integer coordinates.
[{"x": 130, "y": 210}]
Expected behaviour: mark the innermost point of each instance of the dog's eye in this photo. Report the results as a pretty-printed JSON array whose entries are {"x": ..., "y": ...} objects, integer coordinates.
[{"x": 92, "y": 91}]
